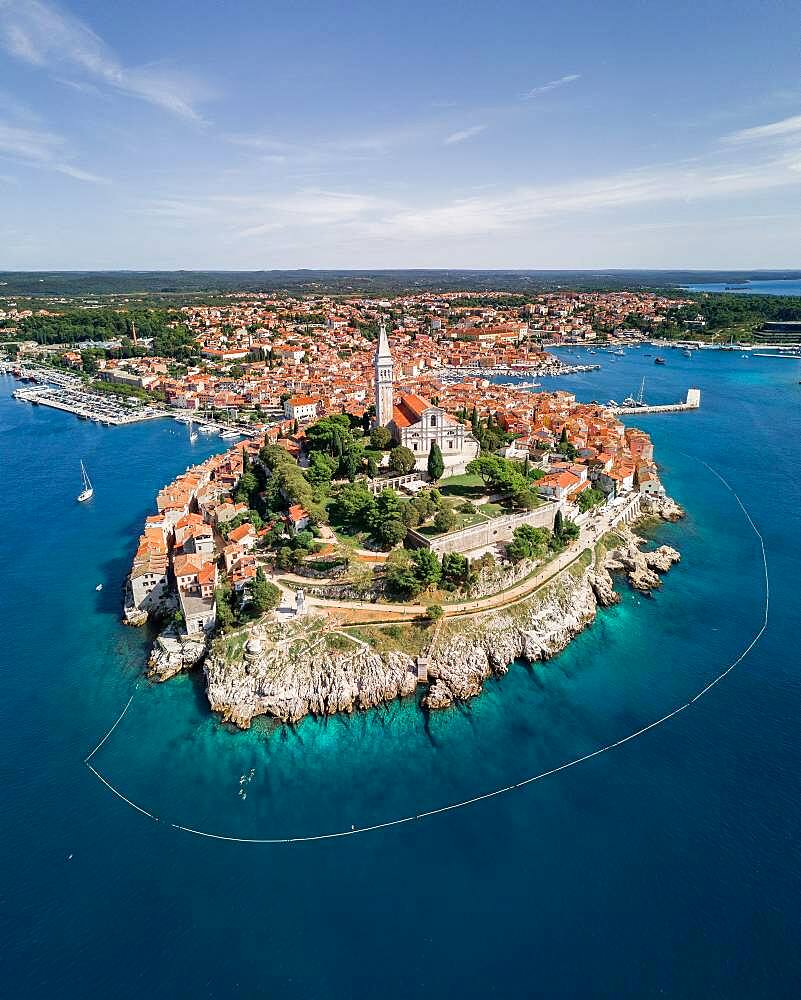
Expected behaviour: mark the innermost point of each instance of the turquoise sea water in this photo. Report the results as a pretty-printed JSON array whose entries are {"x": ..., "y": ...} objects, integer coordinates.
[
  {"x": 670, "y": 866},
  {"x": 784, "y": 286}
]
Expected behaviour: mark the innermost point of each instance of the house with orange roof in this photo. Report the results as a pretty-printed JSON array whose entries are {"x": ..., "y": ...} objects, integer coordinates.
[
  {"x": 302, "y": 408},
  {"x": 244, "y": 535}
]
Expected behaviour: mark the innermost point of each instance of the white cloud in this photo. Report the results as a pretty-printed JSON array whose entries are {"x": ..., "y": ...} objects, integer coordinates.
[
  {"x": 551, "y": 85},
  {"x": 463, "y": 134},
  {"x": 773, "y": 130},
  {"x": 80, "y": 175},
  {"x": 41, "y": 149},
  {"x": 678, "y": 182},
  {"x": 40, "y": 34}
]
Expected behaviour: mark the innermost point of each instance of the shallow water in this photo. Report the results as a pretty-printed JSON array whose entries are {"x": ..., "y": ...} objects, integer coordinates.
[{"x": 670, "y": 865}]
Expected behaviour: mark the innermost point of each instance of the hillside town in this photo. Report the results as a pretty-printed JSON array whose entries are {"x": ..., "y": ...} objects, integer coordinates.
[{"x": 484, "y": 476}]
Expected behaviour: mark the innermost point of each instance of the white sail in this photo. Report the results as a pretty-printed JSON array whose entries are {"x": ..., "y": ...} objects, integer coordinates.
[{"x": 88, "y": 490}]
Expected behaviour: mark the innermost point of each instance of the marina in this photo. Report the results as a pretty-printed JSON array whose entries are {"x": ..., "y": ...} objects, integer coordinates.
[{"x": 88, "y": 405}]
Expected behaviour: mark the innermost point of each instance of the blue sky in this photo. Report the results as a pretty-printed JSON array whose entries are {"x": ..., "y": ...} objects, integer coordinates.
[{"x": 249, "y": 134}]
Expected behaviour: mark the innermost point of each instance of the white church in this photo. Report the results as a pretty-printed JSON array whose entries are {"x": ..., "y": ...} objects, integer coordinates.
[{"x": 414, "y": 422}]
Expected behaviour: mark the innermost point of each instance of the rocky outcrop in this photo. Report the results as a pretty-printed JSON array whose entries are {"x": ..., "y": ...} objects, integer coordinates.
[
  {"x": 173, "y": 653},
  {"x": 535, "y": 629},
  {"x": 603, "y": 587},
  {"x": 641, "y": 568},
  {"x": 663, "y": 507},
  {"x": 293, "y": 677}
]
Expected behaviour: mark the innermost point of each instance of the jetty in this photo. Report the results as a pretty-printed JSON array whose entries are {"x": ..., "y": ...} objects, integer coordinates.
[
  {"x": 692, "y": 402},
  {"x": 88, "y": 405}
]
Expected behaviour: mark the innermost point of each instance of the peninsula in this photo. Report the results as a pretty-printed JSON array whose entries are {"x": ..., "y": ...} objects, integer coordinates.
[{"x": 346, "y": 556}]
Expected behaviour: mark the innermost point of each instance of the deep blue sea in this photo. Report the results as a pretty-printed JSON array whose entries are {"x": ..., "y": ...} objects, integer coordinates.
[
  {"x": 779, "y": 286},
  {"x": 670, "y": 866}
]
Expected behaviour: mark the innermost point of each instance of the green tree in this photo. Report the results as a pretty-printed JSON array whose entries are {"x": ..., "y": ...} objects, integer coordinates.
[
  {"x": 264, "y": 595},
  {"x": 400, "y": 575},
  {"x": 436, "y": 463},
  {"x": 401, "y": 460},
  {"x": 455, "y": 569},
  {"x": 591, "y": 498},
  {"x": 427, "y": 567},
  {"x": 321, "y": 468},
  {"x": 434, "y": 612},
  {"x": 225, "y": 614},
  {"x": 444, "y": 519},
  {"x": 380, "y": 438}
]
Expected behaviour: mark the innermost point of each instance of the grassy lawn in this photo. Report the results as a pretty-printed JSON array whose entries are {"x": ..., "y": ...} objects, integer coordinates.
[
  {"x": 409, "y": 637},
  {"x": 492, "y": 509},
  {"x": 341, "y": 644},
  {"x": 464, "y": 516},
  {"x": 466, "y": 486}
]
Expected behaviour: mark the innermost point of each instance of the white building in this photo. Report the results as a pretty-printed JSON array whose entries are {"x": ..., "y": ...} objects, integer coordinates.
[{"x": 301, "y": 408}]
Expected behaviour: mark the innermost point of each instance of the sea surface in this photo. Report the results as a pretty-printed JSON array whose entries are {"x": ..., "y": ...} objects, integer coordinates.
[
  {"x": 670, "y": 866},
  {"x": 779, "y": 286}
]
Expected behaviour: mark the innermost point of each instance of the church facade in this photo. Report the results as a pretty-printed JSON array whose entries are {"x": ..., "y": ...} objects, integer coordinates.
[{"x": 415, "y": 423}]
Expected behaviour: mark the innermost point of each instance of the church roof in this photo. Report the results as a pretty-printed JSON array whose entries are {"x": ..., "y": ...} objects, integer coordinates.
[{"x": 409, "y": 409}]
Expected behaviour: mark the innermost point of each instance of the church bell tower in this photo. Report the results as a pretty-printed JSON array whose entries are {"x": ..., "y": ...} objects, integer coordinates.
[{"x": 383, "y": 380}]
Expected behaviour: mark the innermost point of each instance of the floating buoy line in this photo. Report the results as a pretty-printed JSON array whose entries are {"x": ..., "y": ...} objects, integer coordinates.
[{"x": 495, "y": 792}]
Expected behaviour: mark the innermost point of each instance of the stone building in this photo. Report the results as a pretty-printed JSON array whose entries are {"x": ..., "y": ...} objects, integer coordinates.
[{"x": 415, "y": 423}]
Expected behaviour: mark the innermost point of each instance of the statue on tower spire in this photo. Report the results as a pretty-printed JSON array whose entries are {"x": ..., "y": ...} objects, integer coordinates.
[{"x": 383, "y": 379}]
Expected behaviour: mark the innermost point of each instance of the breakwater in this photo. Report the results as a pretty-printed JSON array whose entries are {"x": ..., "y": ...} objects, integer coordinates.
[{"x": 692, "y": 402}]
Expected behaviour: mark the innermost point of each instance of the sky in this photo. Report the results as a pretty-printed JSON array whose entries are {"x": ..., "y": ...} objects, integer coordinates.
[{"x": 251, "y": 134}]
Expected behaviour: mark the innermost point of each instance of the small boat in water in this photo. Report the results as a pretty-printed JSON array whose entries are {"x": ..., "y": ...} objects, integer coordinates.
[
  {"x": 88, "y": 490},
  {"x": 99, "y": 586},
  {"x": 192, "y": 433},
  {"x": 227, "y": 435},
  {"x": 659, "y": 361}
]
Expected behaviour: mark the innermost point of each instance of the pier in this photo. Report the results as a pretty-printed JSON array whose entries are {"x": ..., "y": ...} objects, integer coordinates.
[
  {"x": 88, "y": 405},
  {"x": 692, "y": 402}
]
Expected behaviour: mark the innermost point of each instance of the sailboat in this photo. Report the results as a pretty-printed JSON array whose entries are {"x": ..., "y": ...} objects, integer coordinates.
[
  {"x": 88, "y": 491},
  {"x": 639, "y": 401},
  {"x": 192, "y": 433}
]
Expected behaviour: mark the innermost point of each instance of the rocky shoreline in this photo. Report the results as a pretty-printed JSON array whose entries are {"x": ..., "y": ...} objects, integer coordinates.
[{"x": 312, "y": 667}]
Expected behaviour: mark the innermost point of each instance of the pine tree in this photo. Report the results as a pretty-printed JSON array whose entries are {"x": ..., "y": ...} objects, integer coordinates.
[
  {"x": 557, "y": 525},
  {"x": 436, "y": 463}
]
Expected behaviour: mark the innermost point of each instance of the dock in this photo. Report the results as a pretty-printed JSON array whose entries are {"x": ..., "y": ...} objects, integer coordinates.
[
  {"x": 692, "y": 402},
  {"x": 88, "y": 405}
]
